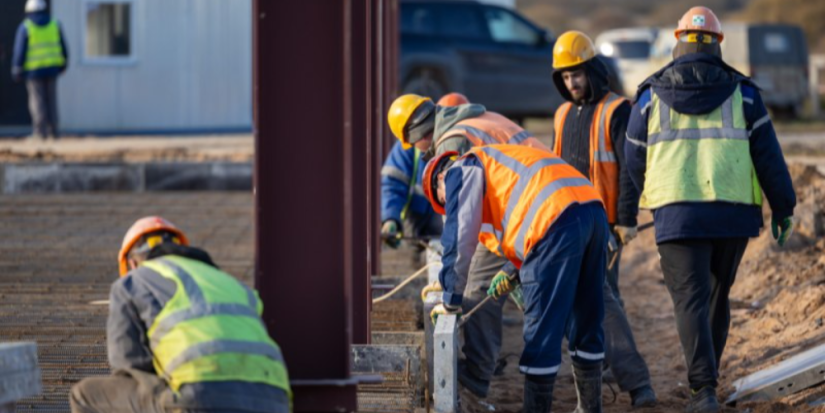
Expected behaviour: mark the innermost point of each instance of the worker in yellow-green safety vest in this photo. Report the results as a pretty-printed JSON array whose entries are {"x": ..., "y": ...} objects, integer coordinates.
[
  {"x": 40, "y": 55},
  {"x": 183, "y": 335},
  {"x": 701, "y": 149},
  {"x": 402, "y": 198}
]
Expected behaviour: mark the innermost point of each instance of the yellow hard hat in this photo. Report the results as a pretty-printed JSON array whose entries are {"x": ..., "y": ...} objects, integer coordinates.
[
  {"x": 400, "y": 113},
  {"x": 572, "y": 48}
]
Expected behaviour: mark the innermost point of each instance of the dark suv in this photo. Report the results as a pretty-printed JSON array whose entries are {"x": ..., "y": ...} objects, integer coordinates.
[{"x": 492, "y": 54}]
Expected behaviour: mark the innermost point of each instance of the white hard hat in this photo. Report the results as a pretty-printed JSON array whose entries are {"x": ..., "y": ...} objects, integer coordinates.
[{"x": 35, "y": 6}]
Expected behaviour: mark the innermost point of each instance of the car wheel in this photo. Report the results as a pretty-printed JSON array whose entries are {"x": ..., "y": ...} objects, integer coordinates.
[{"x": 425, "y": 82}]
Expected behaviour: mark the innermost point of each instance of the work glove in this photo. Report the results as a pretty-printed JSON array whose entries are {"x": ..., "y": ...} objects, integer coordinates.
[
  {"x": 434, "y": 287},
  {"x": 444, "y": 309},
  {"x": 501, "y": 284},
  {"x": 391, "y": 233},
  {"x": 782, "y": 229},
  {"x": 625, "y": 234}
]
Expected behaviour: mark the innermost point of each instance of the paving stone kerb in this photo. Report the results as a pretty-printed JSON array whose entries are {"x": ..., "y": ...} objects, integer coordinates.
[{"x": 23, "y": 178}]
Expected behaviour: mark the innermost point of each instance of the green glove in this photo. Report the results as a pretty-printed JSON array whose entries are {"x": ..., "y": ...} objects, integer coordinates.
[
  {"x": 391, "y": 233},
  {"x": 501, "y": 284},
  {"x": 782, "y": 230}
]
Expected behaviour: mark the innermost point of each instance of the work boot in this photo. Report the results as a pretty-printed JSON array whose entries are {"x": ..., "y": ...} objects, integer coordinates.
[
  {"x": 643, "y": 397},
  {"x": 538, "y": 394},
  {"x": 703, "y": 401},
  {"x": 472, "y": 382},
  {"x": 588, "y": 387}
]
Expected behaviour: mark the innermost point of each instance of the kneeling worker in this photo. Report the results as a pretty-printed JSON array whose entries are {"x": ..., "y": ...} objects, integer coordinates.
[
  {"x": 531, "y": 207},
  {"x": 183, "y": 335}
]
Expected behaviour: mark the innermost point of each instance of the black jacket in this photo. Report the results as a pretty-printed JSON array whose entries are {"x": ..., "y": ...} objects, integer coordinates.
[{"x": 576, "y": 137}]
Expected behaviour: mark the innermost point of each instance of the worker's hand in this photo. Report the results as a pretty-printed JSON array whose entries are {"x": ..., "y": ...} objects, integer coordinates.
[
  {"x": 501, "y": 284},
  {"x": 392, "y": 233},
  {"x": 782, "y": 230},
  {"x": 444, "y": 309},
  {"x": 435, "y": 287},
  {"x": 625, "y": 234}
]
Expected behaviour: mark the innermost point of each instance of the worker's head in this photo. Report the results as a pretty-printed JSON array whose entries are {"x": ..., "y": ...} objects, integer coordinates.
[
  {"x": 453, "y": 99},
  {"x": 571, "y": 52},
  {"x": 699, "y": 31},
  {"x": 412, "y": 120},
  {"x": 145, "y": 234},
  {"x": 434, "y": 188},
  {"x": 34, "y": 6}
]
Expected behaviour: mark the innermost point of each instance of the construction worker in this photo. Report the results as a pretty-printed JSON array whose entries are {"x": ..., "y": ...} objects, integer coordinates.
[
  {"x": 548, "y": 220},
  {"x": 402, "y": 199},
  {"x": 590, "y": 132},
  {"x": 702, "y": 149},
  {"x": 182, "y": 335},
  {"x": 434, "y": 129},
  {"x": 40, "y": 55}
]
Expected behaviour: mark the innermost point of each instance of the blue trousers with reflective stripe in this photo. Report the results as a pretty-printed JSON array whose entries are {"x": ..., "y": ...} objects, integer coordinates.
[{"x": 562, "y": 278}]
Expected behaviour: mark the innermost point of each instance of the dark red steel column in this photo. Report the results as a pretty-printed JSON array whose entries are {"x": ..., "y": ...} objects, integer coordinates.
[
  {"x": 311, "y": 178},
  {"x": 357, "y": 137}
]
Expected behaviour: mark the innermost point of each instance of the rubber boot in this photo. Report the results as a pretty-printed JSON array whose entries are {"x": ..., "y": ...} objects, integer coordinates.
[
  {"x": 588, "y": 387},
  {"x": 538, "y": 394}
]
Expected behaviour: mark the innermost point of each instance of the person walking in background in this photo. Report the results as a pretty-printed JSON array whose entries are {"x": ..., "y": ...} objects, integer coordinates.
[
  {"x": 40, "y": 55},
  {"x": 590, "y": 134},
  {"x": 701, "y": 149}
]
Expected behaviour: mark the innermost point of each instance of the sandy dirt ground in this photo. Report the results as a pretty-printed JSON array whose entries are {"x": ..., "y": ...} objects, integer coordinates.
[{"x": 778, "y": 310}]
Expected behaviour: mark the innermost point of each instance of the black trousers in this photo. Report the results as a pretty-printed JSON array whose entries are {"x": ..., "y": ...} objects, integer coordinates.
[{"x": 699, "y": 274}]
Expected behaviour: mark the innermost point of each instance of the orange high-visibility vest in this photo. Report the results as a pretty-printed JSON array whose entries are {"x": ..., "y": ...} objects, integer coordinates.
[
  {"x": 527, "y": 190},
  {"x": 604, "y": 170},
  {"x": 491, "y": 129}
]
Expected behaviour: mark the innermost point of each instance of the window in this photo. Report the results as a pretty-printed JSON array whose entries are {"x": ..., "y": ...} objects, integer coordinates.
[
  {"x": 507, "y": 28},
  {"x": 108, "y": 36},
  {"x": 417, "y": 19},
  {"x": 631, "y": 49},
  {"x": 461, "y": 21}
]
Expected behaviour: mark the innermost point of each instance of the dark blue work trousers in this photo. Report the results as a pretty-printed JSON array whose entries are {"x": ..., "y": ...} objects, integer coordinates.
[{"x": 562, "y": 277}]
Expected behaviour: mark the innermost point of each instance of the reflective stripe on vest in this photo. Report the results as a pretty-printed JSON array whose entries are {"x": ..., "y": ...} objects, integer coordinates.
[
  {"x": 604, "y": 170},
  {"x": 211, "y": 330},
  {"x": 533, "y": 187},
  {"x": 43, "y": 49},
  {"x": 699, "y": 158},
  {"x": 492, "y": 129}
]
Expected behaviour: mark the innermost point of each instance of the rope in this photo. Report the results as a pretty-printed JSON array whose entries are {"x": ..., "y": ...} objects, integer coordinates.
[{"x": 409, "y": 279}]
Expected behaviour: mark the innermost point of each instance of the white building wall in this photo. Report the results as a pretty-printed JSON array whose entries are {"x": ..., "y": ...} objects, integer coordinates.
[{"x": 192, "y": 69}]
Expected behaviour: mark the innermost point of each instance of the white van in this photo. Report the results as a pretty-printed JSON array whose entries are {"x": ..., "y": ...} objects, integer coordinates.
[
  {"x": 631, "y": 48},
  {"x": 775, "y": 56}
]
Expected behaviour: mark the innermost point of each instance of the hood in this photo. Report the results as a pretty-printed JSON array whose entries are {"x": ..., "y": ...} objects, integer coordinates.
[
  {"x": 40, "y": 18},
  {"x": 695, "y": 83},
  {"x": 447, "y": 116},
  {"x": 597, "y": 77}
]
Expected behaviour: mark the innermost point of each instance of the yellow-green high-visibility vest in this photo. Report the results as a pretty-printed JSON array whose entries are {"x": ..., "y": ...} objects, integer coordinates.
[
  {"x": 699, "y": 158},
  {"x": 44, "y": 49},
  {"x": 211, "y": 329}
]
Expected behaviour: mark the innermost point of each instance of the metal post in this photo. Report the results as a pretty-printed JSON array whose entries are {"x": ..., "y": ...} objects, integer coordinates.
[
  {"x": 310, "y": 190},
  {"x": 445, "y": 395},
  {"x": 356, "y": 169}
]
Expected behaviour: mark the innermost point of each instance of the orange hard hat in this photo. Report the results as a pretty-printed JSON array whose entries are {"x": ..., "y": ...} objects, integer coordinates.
[
  {"x": 430, "y": 181},
  {"x": 700, "y": 19},
  {"x": 141, "y": 227},
  {"x": 453, "y": 99}
]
